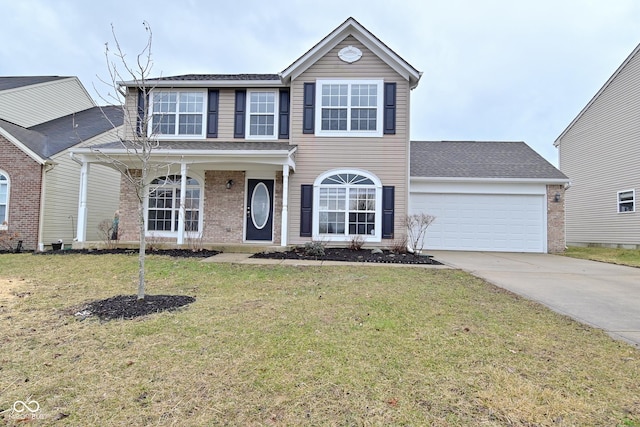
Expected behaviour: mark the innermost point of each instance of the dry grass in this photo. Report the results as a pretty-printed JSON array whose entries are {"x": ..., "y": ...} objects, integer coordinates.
[
  {"x": 289, "y": 346},
  {"x": 630, "y": 257}
]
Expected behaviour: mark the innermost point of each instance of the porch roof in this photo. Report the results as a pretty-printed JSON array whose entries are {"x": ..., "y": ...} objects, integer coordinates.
[{"x": 221, "y": 153}]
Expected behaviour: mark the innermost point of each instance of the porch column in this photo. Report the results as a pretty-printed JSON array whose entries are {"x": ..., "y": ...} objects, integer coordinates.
[
  {"x": 183, "y": 198},
  {"x": 81, "y": 232},
  {"x": 285, "y": 206}
]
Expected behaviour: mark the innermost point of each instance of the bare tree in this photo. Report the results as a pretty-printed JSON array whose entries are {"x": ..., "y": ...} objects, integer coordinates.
[
  {"x": 417, "y": 225},
  {"x": 138, "y": 139}
]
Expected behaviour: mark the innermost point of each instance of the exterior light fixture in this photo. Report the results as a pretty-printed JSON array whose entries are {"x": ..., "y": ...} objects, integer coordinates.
[
  {"x": 229, "y": 184},
  {"x": 556, "y": 198}
]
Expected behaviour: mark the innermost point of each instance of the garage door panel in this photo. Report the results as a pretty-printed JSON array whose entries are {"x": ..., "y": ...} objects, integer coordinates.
[{"x": 488, "y": 222}]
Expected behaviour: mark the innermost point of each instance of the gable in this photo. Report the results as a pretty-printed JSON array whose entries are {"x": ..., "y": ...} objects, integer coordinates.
[
  {"x": 31, "y": 105},
  {"x": 351, "y": 28},
  {"x": 619, "y": 91}
]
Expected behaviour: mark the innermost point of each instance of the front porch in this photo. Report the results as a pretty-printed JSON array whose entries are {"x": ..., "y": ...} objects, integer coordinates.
[{"x": 214, "y": 195}]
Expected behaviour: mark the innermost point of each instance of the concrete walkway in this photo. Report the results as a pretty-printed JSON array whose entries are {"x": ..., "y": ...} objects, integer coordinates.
[{"x": 602, "y": 295}]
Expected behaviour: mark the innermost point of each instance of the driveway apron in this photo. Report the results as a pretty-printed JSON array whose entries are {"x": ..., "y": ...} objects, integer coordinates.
[{"x": 602, "y": 295}]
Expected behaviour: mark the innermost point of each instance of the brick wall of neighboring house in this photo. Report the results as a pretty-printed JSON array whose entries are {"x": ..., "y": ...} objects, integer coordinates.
[
  {"x": 25, "y": 180},
  {"x": 555, "y": 219}
]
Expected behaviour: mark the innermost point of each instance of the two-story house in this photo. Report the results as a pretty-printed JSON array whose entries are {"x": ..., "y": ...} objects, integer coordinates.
[
  {"x": 600, "y": 151},
  {"x": 41, "y": 119},
  {"x": 320, "y": 151}
]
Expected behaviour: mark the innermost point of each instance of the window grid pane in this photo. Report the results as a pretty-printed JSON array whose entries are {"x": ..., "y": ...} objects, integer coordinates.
[
  {"x": 262, "y": 110},
  {"x": 163, "y": 208},
  {"x": 349, "y": 107},
  {"x": 190, "y": 124},
  {"x": 178, "y": 113}
]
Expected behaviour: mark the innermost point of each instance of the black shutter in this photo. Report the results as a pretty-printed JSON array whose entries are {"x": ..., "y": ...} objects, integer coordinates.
[
  {"x": 388, "y": 196},
  {"x": 212, "y": 113},
  {"x": 308, "y": 112},
  {"x": 283, "y": 123},
  {"x": 238, "y": 128},
  {"x": 140, "y": 118},
  {"x": 389, "y": 108},
  {"x": 306, "y": 211}
]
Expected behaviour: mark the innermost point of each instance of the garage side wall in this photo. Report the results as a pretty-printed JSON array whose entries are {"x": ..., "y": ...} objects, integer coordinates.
[{"x": 556, "y": 240}]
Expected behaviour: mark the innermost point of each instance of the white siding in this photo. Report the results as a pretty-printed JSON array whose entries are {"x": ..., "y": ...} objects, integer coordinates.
[
  {"x": 600, "y": 154},
  {"x": 32, "y": 105},
  {"x": 62, "y": 194}
]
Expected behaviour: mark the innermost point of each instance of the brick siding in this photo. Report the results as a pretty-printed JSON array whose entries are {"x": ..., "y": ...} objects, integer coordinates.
[
  {"x": 25, "y": 181},
  {"x": 555, "y": 219}
]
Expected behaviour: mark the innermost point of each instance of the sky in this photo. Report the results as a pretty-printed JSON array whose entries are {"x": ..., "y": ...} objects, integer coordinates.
[{"x": 493, "y": 70}]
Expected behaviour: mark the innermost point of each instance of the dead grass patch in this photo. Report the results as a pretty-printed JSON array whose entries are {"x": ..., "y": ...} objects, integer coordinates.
[{"x": 273, "y": 345}]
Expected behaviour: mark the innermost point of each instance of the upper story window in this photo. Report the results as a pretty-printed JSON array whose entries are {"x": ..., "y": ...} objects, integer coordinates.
[
  {"x": 349, "y": 108},
  {"x": 627, "y": 201},
  {"x": 261, "y": 115},
  {"x": 4, "y": 200},
  {"x": 178, "y": 113}
]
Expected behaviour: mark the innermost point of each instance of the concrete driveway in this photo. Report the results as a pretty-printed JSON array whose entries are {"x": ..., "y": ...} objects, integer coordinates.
[{"x": 605, "y": 296}]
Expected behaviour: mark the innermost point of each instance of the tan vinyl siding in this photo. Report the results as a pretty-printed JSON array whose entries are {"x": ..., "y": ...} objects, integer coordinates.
[
  {"x": 600, "y": 154},
  {"x": 386, "y": 157},
  {"x": 62, "y": 194},
  {"x": 32, "y": 105}
]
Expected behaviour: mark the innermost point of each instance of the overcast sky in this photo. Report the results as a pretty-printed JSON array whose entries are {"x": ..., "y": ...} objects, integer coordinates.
[{"x": 516, "y": 70}]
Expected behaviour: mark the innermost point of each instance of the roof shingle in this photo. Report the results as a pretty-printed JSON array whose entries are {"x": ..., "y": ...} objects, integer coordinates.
[{"x": 479, "y": 159}]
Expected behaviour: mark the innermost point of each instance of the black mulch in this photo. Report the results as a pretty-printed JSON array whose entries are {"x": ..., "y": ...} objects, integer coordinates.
[
  {"x": 129, "y": 307},
  {"x": 179, "y": 253},
  {"x": 345, "y": 254}
]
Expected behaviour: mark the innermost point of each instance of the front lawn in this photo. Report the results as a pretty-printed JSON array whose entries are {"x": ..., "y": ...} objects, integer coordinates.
[
  {"x": 292, "y": 346},
  {"x": 630, "y": 257}
]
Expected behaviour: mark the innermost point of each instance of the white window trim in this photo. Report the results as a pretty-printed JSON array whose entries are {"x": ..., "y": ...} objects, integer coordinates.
[
  {"x": 174, "y": 234},
  {"x": 377, "y": 184},
  {"x": 349, "y": 133},
  {"x": 205, "y": 109},
  {"x": 633, "y": 192},
  {"x": 4, "y": 227},
  {"x": 276, "y": 110}
]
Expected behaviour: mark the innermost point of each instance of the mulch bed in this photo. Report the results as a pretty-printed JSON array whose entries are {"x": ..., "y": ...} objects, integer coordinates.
[
  {"x": 129, "y": 307},
  {"x": 178, "y": 253},
  {"x": 345, "y": 254}
]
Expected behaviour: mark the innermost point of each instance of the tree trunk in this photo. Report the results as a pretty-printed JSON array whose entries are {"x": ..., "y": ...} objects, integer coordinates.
[{"x": 142, "y": 251}]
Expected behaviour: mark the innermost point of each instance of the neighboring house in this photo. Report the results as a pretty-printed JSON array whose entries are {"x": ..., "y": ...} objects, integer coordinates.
[
  {"x": 41, "y": 118},
  {"x": 318, "y": 152},
  {"x": 600, "y": 152}
]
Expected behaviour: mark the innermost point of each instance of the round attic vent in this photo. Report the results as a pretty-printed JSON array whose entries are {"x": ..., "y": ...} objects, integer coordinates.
[{"x": 350, "y": 54}]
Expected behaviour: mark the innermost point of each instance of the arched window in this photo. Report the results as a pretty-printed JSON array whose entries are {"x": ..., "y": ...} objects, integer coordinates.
[
  {"x": 163, "y": 207},
  {"x": 348, "y": 205},
  {"x": 4, "y": 200}
]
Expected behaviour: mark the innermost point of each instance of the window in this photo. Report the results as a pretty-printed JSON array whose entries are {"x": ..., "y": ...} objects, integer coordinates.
[
  {"x": 4, "y": 200},
  {"x": 163, "y": 208},
  {"x": 349, "y": 108},
  {"x": 627, "y": 201},
  {"x": 261, "y": 120},
  {"x": 348, "y": 204},
  {"x": 178, "y": 113}
]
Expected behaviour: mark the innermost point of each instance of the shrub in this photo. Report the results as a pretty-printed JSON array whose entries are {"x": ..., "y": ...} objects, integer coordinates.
[
  {"x": 314, "y": 249},
  {"x": 356, "y": 243},
  {"x": 417, "y": 225}
]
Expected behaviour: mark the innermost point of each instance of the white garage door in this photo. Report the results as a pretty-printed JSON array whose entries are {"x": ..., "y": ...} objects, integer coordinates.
[{"x": 484, "y": 222}]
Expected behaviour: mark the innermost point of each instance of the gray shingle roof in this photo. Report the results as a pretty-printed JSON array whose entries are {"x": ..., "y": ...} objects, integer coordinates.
[
  {"x": 210, "y": 145},
  {"x": 479, "y": 159},
  {"x": 49, "y": 138},
  {"x": 223, "y": 77},
  {"x": 11, "y": 82}
]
